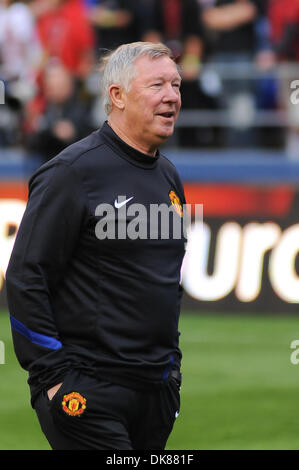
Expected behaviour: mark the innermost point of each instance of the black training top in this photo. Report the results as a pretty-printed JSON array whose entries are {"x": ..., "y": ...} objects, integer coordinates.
[{"x": 106, "y": 305}]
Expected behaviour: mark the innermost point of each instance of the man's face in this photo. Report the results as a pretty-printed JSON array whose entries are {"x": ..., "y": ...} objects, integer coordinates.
[{"x": 152, "y": 104}]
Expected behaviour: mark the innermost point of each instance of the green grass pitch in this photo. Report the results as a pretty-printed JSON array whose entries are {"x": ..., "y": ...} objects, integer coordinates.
[{"x": 240, "y": 389}]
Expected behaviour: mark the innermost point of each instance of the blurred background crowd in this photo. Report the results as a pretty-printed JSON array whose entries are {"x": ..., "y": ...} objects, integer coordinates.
[{"x": 238, "y": 61}]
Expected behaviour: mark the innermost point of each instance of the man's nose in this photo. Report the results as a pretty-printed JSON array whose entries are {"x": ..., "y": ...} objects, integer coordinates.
[{"x": 171, "y": 94}]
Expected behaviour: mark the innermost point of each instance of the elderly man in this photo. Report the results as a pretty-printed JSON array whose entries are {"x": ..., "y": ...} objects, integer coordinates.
[{"x": 95, "y": 308}]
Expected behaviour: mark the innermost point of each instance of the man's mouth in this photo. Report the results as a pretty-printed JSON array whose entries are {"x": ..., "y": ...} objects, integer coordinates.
[{"x": 169, "y": 114}]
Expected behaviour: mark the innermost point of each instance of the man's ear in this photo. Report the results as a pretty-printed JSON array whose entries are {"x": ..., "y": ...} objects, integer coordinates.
[{"x": 116, "y": 94}]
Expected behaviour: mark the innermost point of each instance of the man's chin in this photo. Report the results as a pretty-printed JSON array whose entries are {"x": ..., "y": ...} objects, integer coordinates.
[{"x": 165, "y": 132}]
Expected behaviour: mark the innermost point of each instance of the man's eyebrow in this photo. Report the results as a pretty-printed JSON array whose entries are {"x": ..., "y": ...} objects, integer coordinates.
[{"x": 176, "y": 77}]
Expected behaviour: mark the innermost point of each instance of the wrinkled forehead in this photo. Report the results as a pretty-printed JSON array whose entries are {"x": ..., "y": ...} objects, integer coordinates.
[{"x": 147, "y": 68}]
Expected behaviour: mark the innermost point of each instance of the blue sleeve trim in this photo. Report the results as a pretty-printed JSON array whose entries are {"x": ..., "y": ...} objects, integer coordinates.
[
  {"x": 168, "y": 368},
  {"x": 36, "y": 338}
]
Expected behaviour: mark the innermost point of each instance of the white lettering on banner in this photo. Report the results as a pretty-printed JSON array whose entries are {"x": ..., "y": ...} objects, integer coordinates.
[
  {"x": 227, "y": 252},
  {"x": 239, "y": 260},
  {"x": 257, "y": 240},
  {"x": 282, "y": 272},
  {"x": 11, "y": 213},
  {"x": 239, "y": 255}
]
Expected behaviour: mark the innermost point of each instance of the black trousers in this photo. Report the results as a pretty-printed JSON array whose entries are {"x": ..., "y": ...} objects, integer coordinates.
[{"x": 91, "y": 414}]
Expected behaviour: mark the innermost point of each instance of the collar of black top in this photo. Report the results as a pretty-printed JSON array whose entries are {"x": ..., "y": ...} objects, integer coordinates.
[{"x": 126, "y": 151}]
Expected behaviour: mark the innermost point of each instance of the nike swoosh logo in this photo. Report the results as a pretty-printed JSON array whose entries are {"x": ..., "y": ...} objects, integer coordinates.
[{"x": 118, "y": 205}]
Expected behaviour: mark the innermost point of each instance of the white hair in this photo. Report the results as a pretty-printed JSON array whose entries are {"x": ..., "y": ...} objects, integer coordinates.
[{"x": 117, "y": 67}]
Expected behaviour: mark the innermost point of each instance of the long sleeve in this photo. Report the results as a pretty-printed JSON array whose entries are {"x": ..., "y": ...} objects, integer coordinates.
[{"x": 43, "y": 247}]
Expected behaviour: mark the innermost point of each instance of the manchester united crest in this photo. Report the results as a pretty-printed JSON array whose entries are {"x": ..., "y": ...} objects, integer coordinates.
[
  {"x": 74, "y": 404},
  {"x": 175, "y": 201}
]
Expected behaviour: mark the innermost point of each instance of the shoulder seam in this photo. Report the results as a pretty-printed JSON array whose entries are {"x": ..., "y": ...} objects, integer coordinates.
[
  {"x": 169, "y": 161},
  {"x": 81, "y": 154},
  {"x": 78, "y": 177}
]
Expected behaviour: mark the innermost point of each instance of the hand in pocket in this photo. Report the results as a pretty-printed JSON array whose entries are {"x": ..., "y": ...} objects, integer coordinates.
[{"x": 51, "y": 392}]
